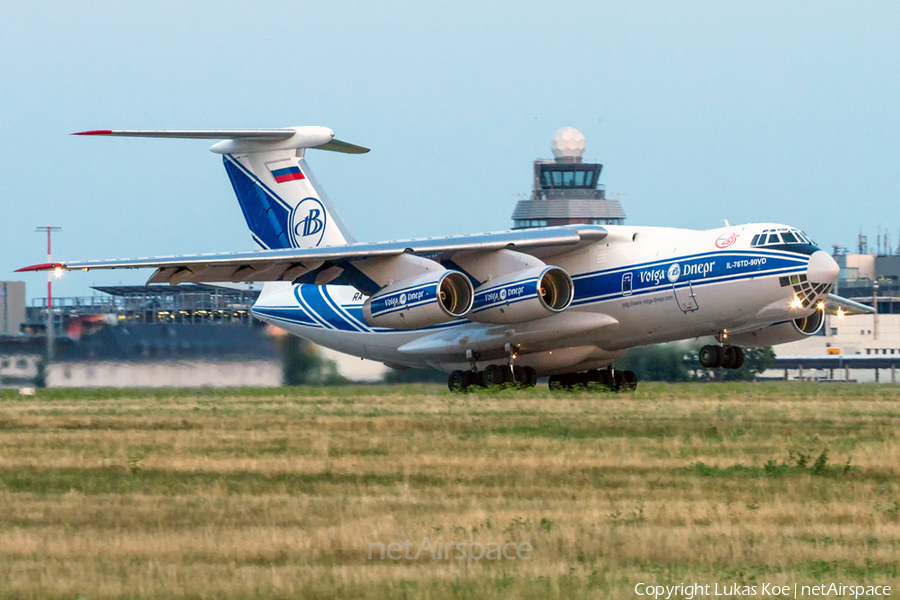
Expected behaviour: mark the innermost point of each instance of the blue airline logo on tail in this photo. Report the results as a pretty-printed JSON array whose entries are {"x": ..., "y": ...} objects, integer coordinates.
[{"x": 308, "y": 222}]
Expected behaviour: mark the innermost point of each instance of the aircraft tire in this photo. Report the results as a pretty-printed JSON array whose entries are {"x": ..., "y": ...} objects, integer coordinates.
[
  {"x": 619, "y": 380},
  {"x": 457, "y": 382},
  {"x": 493, "y": 376},
  {"x": 734, "y": 356},
  {"x": 711, "y": 357},
  {"x": 530, "y": 376},
  {"x": 720, "y": 356},
  {"x": 630, "y": 381},
  {"x": 518, "y": 375},
  {"x": 473, "y": 378},
  {"x": 707, "y": 357},
  {"x": 606, "y": 379},
  {"x": 555, "y": 383}
]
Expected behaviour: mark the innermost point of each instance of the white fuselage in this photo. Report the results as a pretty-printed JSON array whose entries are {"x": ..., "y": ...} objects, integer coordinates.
[{"x": 638, "y": 286}]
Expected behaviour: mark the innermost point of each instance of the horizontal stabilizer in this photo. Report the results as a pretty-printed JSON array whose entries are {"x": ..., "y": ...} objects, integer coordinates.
[
  {"x": 245, "y": 140},
  {"x": 197, "y": 134},
  {"x": 345, "y": 147}
]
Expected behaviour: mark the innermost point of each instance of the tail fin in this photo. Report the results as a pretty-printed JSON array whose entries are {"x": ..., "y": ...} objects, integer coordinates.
[{"x": 282, "y": 203}]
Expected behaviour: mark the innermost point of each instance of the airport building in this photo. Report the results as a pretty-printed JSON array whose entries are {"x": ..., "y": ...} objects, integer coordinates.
[
  {"x": 192, "y": 335},
  {"x": 567, "y": 190}
]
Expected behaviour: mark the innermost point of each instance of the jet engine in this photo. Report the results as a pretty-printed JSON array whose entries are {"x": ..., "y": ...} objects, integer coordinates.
[
  {"x": 781, "y": 333},
  {"x": 429, "y": 299},
  {"x": 523, "y": 296}
]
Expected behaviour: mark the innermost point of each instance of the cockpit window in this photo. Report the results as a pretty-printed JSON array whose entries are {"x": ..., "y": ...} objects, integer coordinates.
[{"x": 780, "y": 236}]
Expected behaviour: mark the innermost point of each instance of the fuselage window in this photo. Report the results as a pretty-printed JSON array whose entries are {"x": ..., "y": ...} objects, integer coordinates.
[
  {"x": 755, "y": 240},
  {"x": 774, "y": 239},
  {"x": 789, "y": 238}
]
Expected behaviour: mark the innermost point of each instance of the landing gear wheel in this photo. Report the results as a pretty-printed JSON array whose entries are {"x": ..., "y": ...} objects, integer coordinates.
[
  {"x": 630, "y": 381},
  {"x": 457, "y": 382},
  {"x": 494, "y": 375},
  {"x": 569, "y": 380},
  {"x": 473, "y": 378},
  {"x": 518, "y": 375},
  {"x": 555, "y": 383},
  {"x": 619, "y": 380},
  {"x": 529, "y": 376},
  {"x": 606, "y": 380},
  {"x": 711, "y": 357},
  {"x": 734, "y": 357}
]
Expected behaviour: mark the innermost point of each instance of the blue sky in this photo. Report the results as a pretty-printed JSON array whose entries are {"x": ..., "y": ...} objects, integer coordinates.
[{"x": 700, "y": 111}]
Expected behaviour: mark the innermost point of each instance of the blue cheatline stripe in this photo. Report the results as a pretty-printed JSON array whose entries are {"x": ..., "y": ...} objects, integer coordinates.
[
  {"x": 505, "y": 303},
  {"x": 615, "y": 284},
  {"x": 393, "y": 309},
  {"x": 800, "y": 259},
  {"x": 300, "y": 296},
  {"x": 503, "y": 285},
  {"x": 288, "y": 314},
  {"x": 336, "y": 310},
  {"x": 310, "y": 295},
  {"x": 694, "y": 282}
]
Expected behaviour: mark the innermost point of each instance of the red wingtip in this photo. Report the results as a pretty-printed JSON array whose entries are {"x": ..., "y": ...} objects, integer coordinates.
[
  {"x": 94, "y": 132},
  {"x": 40, "y": 267}
]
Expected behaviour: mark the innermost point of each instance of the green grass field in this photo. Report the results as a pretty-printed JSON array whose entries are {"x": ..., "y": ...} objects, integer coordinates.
[{"x": 279, "y": 493}]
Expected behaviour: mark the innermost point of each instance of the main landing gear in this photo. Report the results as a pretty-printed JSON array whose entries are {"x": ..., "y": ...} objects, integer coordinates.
[
  {"x": 492, "y": 376},
  {"x": 727, "y": 357},
  {"x": 613, "y": 380}
]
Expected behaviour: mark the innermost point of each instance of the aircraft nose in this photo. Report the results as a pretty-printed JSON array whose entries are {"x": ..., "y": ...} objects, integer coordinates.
[{"x": 822, "y": 268}]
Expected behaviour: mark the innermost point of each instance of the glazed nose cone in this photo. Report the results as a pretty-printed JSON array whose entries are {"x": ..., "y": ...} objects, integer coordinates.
[{"x": 822, "y": 268}]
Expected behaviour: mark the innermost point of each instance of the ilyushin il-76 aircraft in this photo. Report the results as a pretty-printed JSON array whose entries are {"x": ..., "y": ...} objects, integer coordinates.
[{"x": 494, "y": 308}]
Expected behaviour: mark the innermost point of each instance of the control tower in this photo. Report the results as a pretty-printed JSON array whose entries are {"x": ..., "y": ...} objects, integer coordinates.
[{"x": 567, "y": 190}]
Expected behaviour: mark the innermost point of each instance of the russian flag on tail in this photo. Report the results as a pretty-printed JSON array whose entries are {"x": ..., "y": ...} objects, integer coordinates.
[{"x": 290, "y": 173}]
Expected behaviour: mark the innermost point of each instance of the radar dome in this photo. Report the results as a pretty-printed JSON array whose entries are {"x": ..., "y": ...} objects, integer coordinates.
[{"x": 568, "y": 143}]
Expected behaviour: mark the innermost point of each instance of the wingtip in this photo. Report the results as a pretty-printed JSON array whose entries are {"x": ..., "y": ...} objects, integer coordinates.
[
  {"x": 40, "y": 267},
  {"x": 94, "y": 132}
]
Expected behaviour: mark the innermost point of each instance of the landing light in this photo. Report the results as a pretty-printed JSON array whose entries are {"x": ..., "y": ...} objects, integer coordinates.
[
  {"x": 840, "y": 313},
  {"x": 820, "y": 305},
  {"x": 57, "y": 272},
  {"x": 796, "y": 303}
]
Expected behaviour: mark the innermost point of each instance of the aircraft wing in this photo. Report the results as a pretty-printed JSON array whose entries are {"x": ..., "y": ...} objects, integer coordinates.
[
  {"x": 835, "y": 305},
  {"x": 298, "y": 264}
]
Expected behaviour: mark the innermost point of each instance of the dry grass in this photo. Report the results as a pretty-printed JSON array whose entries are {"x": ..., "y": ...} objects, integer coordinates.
[{"x": 279, "y": 493}]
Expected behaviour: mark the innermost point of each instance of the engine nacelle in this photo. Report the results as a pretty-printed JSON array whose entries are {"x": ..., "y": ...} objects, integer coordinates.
[
  {"x": 422, "y": 301},
  {"x": 523, "y": 296},
  {"x": 781, "y": 333}
]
